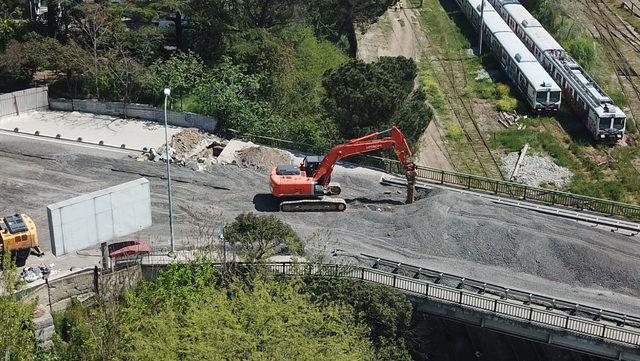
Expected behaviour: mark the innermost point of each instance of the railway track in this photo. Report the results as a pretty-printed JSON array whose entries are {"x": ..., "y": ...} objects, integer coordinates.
[
  {"x": 462, "y": 110},
  {"x": 607, "y": 29}
]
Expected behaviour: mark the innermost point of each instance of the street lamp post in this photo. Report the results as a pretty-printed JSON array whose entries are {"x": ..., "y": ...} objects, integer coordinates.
[
  {"x": 481, "y": 28},
  {"x": 167, "y": 93}
]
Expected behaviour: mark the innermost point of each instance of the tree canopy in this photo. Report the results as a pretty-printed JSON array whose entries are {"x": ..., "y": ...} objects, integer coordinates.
[
  {"x": 364, "y": 97},
  {"x": 188, "y": 314}
]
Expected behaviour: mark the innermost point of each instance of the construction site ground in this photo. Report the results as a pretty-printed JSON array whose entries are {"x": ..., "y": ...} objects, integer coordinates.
[{"x": 443, "y": 230}]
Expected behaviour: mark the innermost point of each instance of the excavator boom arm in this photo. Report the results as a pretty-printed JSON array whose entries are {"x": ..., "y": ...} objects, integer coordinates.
[{"x": 367, "y": 144}]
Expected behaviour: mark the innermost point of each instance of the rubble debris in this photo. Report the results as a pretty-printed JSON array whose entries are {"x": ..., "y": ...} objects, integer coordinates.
[
  {"x": 187, "y": 147},
  {"x": 507, "y": 119},
  {"x": 262, "y": 157},
  {"x": 32, "y": 274},
  {"x": 536, "y": 170}
]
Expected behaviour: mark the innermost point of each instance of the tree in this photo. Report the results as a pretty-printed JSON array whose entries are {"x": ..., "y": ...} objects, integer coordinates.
[
  {"x": 176, "y": 8},
  {"x": 385, "y": 311},
  {"x": 233, "y": 98},
  {"x": 22, "y": 60},
  {"x": 188, "y": 313},
  {"x": 340, "y": 18},
  {"x": 182, "y": 72},
  {"x": 267, "y": 13},
  {"x": 256, "y": 237},
  {"x": 361, "y": 97},
  {"x": 414, "y": 116},
  {"x": 96, "y": 25}
]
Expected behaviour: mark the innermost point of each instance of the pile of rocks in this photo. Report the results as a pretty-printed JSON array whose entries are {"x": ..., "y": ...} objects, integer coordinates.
[
  {"x": 191, "y": 148},
  {"x": 537, "y": 170}
]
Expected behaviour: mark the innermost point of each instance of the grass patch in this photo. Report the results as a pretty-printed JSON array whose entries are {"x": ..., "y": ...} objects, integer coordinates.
[
  {"x": 454, "y": 132},
  {"x": 431, "y": 87}
]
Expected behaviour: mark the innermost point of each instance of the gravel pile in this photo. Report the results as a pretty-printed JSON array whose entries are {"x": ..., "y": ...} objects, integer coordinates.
[
  {"x": 263, "y": 158},
  {"x": 536, "y": 170},
  {"x": 454, "y": 226}
]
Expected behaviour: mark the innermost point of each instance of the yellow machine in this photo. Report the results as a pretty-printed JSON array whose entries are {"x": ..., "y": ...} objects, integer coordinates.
[{"x": 19, "y": 236}]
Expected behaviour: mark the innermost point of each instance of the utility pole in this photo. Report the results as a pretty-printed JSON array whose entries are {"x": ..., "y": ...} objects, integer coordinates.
[
  {"x": 481, "y": 28},
  {"x": 167, "y": 92}
]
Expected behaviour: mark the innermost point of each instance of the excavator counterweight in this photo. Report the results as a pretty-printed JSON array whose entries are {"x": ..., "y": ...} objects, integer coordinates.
[{"x": 308, "y": 187}]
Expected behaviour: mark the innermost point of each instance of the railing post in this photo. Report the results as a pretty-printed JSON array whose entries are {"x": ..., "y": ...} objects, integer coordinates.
[
  {"x": 469, "y": 182},
  {"x": 442, "y": 176},
  {"x": 497, "y": 185},
  {"x": 604, "y": 329},
  {"x": 284, "y": 268},
  {"x": 362, "y": 275},
  {"x": 336, "y": 272},
  {"x": 495, "y": 306},
  {"x": 530, "y": 313},
  {"x": 524, "y": 195},
  {"x": 394, "y": 281},
  {"x": 566, "y": 323},
  {"x": 460, "y": 297},
  {"x": 427, "y": 291}
]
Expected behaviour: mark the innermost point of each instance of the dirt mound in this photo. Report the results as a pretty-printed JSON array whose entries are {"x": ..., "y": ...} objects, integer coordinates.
[
  {"x": 186, "y": 140},
  {"x": 263, "y": 157}
]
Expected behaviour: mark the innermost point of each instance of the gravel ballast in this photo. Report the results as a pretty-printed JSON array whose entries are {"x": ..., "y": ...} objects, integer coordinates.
[{"x": 536, "y": 170}]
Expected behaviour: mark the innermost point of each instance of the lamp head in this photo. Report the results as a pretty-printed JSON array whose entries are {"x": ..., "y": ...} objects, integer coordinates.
[{"x": 167, "y": 91}]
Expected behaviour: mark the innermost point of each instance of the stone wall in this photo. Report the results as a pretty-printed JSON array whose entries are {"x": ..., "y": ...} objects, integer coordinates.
[{"x": 57, "y": 293}]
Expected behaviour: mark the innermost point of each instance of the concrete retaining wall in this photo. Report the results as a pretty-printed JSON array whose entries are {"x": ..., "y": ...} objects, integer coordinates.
[
  {"x": 82, "y": 285},
  {"x": 140, "y": 111}
]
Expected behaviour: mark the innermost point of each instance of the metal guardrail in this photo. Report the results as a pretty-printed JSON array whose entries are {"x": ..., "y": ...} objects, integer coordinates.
[
  {"x": 473, "y": 300},
  {"x": 472, "y": 182},
  {"x": 502, "y": 292}
]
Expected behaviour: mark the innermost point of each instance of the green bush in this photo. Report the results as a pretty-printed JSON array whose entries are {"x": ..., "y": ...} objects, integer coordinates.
[
  {"x": 385, "y": 311},
  {"x": 454, "y": 132},
  {"x": 188, "y": 314},
  {"x": 507, "y": 104},
  {"x": 17, "y": 332},
  {"x": 255, "y": 237}
]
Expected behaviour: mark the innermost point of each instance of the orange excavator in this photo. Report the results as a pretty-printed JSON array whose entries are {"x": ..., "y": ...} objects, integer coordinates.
[{"x": 308, "y": 187}]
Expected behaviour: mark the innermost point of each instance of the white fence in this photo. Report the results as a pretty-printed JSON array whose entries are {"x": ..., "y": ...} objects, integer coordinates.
[
  {"x": 24, "y": 100},
  {"x": 140, "y": 111}
]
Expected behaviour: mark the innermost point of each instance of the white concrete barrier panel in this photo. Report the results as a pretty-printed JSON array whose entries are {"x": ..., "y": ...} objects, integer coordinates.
[{"x": 101, "y": 216}]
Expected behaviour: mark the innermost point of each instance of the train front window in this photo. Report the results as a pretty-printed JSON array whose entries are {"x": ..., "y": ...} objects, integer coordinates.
[
  {"x": 618, "y": 123},
  {"x": 541, "y": 97},
  {"x": 554, "y": 97},
  {"x": 605, "y": 123}
]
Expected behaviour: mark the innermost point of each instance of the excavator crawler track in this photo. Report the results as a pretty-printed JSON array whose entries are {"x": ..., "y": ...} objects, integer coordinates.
[{"x": 325, "y": 204}]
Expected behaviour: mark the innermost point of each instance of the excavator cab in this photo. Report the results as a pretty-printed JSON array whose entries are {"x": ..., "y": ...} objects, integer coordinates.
[{"x": 311, "y": 163}]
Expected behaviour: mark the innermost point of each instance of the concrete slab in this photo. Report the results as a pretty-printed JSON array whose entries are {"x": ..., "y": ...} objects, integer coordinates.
[{"x": 135, "y": 134}]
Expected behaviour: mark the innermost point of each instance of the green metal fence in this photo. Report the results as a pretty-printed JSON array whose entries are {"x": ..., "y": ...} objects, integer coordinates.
[{"x": 472, "y": 182}]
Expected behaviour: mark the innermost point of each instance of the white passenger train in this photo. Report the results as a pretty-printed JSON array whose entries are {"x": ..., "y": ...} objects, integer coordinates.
[
  {"x": 539, "y": 89},
  {"x": 604, "y": 120}
]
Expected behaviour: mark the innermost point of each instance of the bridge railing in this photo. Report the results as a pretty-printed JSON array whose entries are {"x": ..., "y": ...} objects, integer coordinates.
[
  {"x": 484, "y": 303},
  {"x": 472, "y": 182}
]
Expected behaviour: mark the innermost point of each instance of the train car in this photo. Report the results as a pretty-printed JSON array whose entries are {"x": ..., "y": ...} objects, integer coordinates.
[
  {"x": 521, "y": 67},
  {"x": 602, "y": 118}
]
